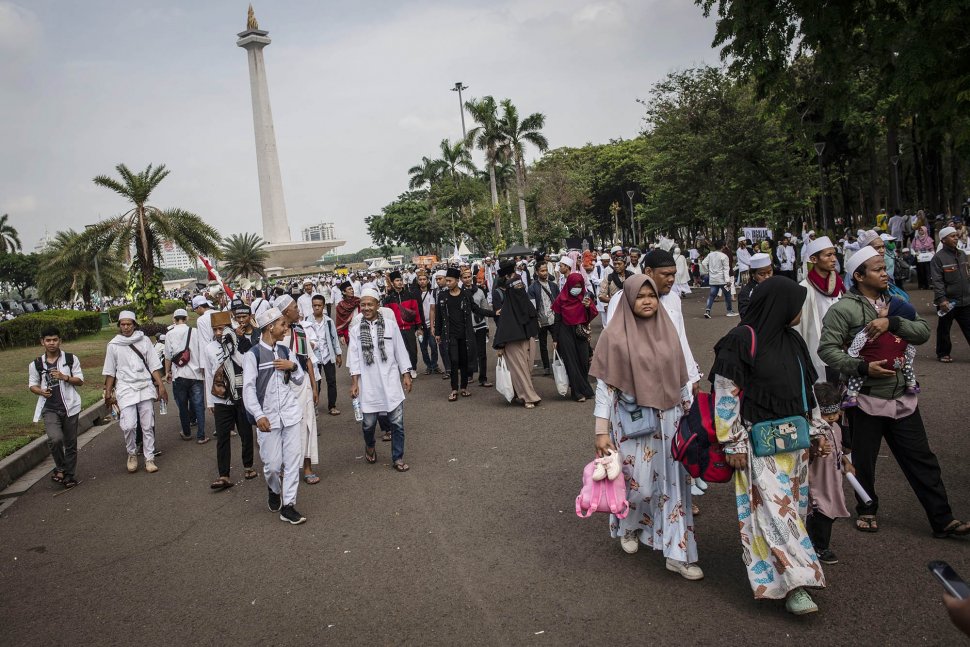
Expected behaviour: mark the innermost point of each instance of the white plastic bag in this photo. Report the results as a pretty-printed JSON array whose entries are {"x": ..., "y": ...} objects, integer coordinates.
[
  {"x": 559, "y": 374},
  {"x": 503, "y": 379}
]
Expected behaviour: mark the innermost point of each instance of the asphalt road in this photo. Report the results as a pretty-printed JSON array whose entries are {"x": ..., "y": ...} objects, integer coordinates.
[{"x": 477, "y": 544}]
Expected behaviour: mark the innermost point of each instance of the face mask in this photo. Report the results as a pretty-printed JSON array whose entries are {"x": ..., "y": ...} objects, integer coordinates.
[
  {"x": 516, "y": 284},
  {"x": 576, "y": 291}
]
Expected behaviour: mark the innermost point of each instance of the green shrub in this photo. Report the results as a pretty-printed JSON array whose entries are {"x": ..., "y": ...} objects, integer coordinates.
[
  {"x": 25, "y": 330},
  {"x": 168, "y": 307}
]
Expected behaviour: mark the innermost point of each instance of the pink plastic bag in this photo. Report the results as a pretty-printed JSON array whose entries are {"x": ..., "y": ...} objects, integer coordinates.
[{"x": 601, "y": 496}]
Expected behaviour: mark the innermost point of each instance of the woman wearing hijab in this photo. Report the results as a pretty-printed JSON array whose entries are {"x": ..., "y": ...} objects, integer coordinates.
[
  {"x": 517, "y": 327},
  {"x": 642, "y": 391},
  {"x": 573, "y": 310},
  {"x": 771, "y": 491},
  {"x": 923, "y": 248}
]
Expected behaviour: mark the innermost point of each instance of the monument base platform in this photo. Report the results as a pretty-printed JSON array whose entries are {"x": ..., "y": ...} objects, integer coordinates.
[{"x": 299, "y": 253}]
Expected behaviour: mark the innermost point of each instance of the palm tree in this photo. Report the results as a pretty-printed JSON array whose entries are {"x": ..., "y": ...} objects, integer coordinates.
[
  {"x": 426, "y": 174},
  {"x": 144, "y": 228},
  {"x": 456, "y": 159},
  {"x": 487, "y": 136},
  {"x": 243, "y": 255},
  {"x": 515, "y": 134},
  {"x": 9, "y": 239},
  {"x": 505, "y": 176},
  {"x": 70, "y": 266}
]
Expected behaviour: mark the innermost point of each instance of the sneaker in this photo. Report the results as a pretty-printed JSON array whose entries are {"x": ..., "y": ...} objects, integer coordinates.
[
  {"x": 151, "y": 467},
  {"x": 132, "y": 463},
  {"x": 446, "y": 376},
  {"x": 630, "y": 541},
  {"x": 613, "y": 467},
  {"x": 599, "y": 471},
  {"x": 202, "y": 441},
  {"x": 707, "y": 314},
  {"x": 799, "y": 603},
  {"x": 414, "y": 374},
  {"x": 732, "y": 314},
  {"x": 686, "y": 571},
  {"x": 827, "y": 556},
  {"x": 185, "y": 436},
  {"x": 274, "y": 501},
  {"x": 289, "y": 513}
]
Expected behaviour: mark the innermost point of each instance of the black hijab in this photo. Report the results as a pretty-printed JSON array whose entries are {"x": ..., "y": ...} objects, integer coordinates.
[
  {"x": 519, "y": 319},
  {"x": 770, "y": 380}
]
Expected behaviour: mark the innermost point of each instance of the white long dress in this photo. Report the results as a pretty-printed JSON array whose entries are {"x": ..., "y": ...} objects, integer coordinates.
[{"x": 656, "y": 485}]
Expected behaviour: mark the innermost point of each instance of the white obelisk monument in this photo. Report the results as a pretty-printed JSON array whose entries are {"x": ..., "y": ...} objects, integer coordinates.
[{"x": 276, "y": 228}]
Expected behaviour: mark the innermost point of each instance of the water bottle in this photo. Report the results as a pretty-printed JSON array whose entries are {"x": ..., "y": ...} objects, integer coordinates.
[
  {"x": 358, "y": 414},
  {"x": 162, "y": 407}
]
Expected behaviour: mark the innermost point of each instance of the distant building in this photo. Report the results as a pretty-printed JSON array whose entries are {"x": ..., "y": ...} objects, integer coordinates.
[
  {"x": 42, "y": 244},
  {"x": 174, "y": 258},
  {"x": 322, "y": 231}
]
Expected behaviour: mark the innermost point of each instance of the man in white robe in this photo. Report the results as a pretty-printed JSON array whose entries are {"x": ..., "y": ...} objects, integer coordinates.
[
  {"x": 379, "y": 367},
  {"x": 305, "y": 303},
  {"x": 825, "y": 287}
]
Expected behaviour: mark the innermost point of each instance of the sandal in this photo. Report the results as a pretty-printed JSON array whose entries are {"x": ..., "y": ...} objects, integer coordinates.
[
  {"x": 370, "y": 455},
  {"x": 311, "y": 479},
  {"x": 530, "y": 405},
  {"x": 453, "y": 396},
  {"x": 386, "y": 438},
  {"x": 486, "y": 384},
  {"x": 867, "y": 523},
  {"x": 954, "y": 528},
  {"x": 222, "y": 483},
  {"x": 335, "y": 411},
  {"x": 57, "y": 476},
  {"x": 466, "y": 394},
  {"x": 249, "y": 474},
  {"x": 946, "y": 359},
  {"x": 401, "y": 466},
  {"x": 694, "y": 510}
]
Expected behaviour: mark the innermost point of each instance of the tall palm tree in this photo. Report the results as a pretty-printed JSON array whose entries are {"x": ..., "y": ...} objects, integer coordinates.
[
  {"x": 9, "y": 239},
  {"x": 515, "y": 134},
  {"x": 505, "y": 177},
  {"x": 243, "y": 256},
  {"x": 144, "y": 227},
  {"x": 70, "y": 266},
  {"x": 487, "y": 136}
]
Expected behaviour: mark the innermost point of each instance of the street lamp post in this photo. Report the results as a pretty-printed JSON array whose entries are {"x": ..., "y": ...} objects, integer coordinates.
[
  {"x": 97, "y": 270},
  {"x": 895, "y": 160},
  {"x": 633, "y": 231},
  {"x": 819, "y": 149},
  {"x": 461, "y": 106}
]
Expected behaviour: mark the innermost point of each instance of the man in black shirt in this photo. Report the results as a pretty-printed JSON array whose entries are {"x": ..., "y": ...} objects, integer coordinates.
[{"x": 455, "y": 330}]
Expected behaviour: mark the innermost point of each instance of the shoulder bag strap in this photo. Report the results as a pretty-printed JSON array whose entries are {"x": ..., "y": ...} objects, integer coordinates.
[
  {"x": 188, "y": 340},
  {"x": 801, "y": 374},
  {"x": 141, "y": 357}
]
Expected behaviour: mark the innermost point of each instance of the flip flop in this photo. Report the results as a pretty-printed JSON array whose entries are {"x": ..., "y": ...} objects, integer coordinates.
[
  {"x": 946, "y": 359},
  {"x": 335, "y": 411},
  {"x": 452, "y": 396},
  {"x": 401, "y": 466},
  {"x": 221, "y": 484},
  {"x": 954, "y": 528},
  {"x": 386, "y": 438},
  {"x": 57, "y": 477},
  {"x": 370, "y": 455},
  {"x": 466, "y": 394},
  {"x": 250, "y": 473},
  {"x": 867, "y": 523},
  {"x": 311, "y": 479}
]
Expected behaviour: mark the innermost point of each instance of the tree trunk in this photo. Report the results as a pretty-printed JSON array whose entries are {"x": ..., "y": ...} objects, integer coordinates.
[
  {"x": 956, "y": 185},
  {"x": 520, "y": 190},
  {"x": 917, "y": 164},
  {"x": 874, "y": 198},
  {"x": 892, "y": 148},
  {"x": 148, "y": 261},
  {"x": 493, "y": 185}
]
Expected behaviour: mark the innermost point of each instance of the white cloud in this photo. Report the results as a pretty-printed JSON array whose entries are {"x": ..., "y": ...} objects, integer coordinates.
[
  {"x": 25, "y": 204},
  {"x": 20, "y": 30}
]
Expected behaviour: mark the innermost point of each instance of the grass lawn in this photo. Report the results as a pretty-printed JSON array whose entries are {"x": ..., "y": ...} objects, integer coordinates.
[{"x": 17, "y": 403}]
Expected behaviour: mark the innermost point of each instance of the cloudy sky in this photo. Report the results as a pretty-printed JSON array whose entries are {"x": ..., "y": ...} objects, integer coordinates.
[{"x": 359, "y": 89}]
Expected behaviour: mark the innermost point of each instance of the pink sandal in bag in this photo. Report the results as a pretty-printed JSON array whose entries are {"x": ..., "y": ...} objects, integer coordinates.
[{"x": 605, "y": 495}]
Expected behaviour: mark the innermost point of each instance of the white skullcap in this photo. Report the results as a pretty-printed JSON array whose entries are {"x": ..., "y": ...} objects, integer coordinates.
[
  {"x": 615, "y": 249},
  {"x": 946, "y": 231},
  {"x": 307, "y": 280},
  {"x": 267, "y": 316},
  {"x": 817, "y": 245},
  {"x": 127, "y": 314},
  {"x": 200, "y": 300},
  {"x": 887, "y": 237},
  {"x": 605, "y": 257},
  {"x": 181, "y": 312},
  {"x": 568, "y": 262},
  {"x": 859, "y": 258},
  {"x": 372, "y": 293},
  {"x": 677, "y": 251},
  {"x": 787, "y": 235},
  {"x": 811, "y": 233},
  {"x": 439, "y": 273},
  {"x": 741, "y": 239},
  {"x": 867, "y": 237},
  {"x": 282, "y": 302},
  {"x": 759, "y": 260}
]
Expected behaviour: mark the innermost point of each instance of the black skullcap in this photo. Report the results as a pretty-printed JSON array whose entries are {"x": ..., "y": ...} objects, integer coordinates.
[
  {"x": 453, "y": 273},
  {"x": 506, "y": 267},
  {"x": 345, "y": 285},
  {"x": 659, "y": 258},
  {"x": 395, "y": 275}
]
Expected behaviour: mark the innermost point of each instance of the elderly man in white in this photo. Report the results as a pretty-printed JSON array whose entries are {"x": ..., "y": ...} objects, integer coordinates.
[
  {"x": 380, "y": 372},
  {"x": 305, "y": 303},
  {"x": 268, "y": 370},
  {"x": 133, "y": 379}
]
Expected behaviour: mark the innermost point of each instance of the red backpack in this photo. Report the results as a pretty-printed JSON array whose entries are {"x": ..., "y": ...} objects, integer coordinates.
[{"x": 695, "y": 443}]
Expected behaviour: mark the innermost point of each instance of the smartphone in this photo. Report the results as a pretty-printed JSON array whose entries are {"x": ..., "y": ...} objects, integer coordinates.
[{"x": 948, "y": 577}]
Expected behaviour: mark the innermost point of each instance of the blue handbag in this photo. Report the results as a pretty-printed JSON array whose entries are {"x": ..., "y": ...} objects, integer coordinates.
[
  {"x": 633, "y": 420},
  {"x": 783, "y": 435}
]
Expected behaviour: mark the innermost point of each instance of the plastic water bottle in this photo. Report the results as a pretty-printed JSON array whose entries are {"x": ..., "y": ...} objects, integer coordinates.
[
  {"x": 358, "y": 414},
  {"x": 162, "y": 407}
]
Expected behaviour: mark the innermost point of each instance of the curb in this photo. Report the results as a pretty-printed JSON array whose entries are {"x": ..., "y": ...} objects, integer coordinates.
[{"x": 34, "y": 453}]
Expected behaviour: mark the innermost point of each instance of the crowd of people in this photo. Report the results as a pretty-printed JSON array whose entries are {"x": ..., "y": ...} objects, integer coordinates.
[{"x": 838, "y": 319}]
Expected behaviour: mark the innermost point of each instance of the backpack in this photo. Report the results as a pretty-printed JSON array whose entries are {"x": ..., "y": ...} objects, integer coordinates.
[
  {"x": 68, "y": 359},
  {"x": 182, "y": 358},
  {"x": 695, "y": 443},
  {"x": 284, "y": 354},
  {"x": 601, "y": 496}
]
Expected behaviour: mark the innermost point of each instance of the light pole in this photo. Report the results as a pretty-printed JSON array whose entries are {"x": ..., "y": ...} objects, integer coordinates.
[
  {"x": 461, "y": 107},
  {"x": 819, "y": 149},
  {"x": 895, "y": 160},
  {"x": 633, "y": 231},
  {"x": 97, "y": 270}
]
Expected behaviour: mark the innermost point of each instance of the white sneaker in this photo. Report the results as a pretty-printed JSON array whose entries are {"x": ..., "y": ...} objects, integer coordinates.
[
  {"x": 686, "y": 571},
  {"x": 613, "y": 467},
  {"x": 630, "y": 541},
  {"x": 599, "y": 471},
  {"x": 414, "y": 374},
  {"x": 132, "y": 463},
  {"x": 150, "y": 466},
  {"x": 732, "y": 314}
]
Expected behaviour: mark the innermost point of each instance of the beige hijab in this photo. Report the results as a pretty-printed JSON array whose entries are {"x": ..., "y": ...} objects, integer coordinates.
[{"x": 641, "y": 357}]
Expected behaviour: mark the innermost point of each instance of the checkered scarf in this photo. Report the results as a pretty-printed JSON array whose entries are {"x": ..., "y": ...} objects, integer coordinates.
[{"x": 367, "y": 342}]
